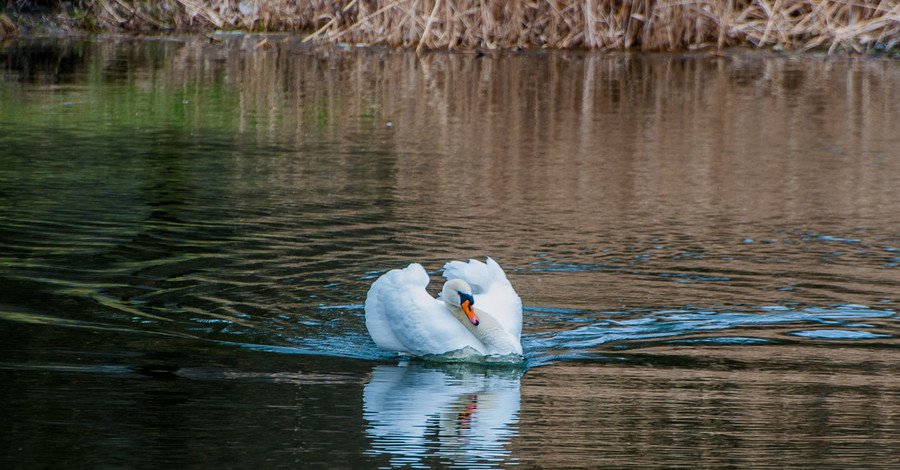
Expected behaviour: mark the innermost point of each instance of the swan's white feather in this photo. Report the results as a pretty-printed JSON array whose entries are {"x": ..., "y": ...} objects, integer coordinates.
[
  {"x": 402, "y": 316},
  {"x": 493, "y": 292}
]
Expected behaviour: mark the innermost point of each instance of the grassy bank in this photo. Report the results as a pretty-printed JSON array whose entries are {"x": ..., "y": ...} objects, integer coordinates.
[{"x": 649, "y": 25}]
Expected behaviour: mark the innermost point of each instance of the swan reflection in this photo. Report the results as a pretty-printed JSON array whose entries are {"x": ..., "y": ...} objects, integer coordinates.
[{"x": 461, "y": 414}]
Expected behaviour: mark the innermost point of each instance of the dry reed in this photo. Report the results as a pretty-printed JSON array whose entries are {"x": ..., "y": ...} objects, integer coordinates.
[{"x": 489, "y": 24}]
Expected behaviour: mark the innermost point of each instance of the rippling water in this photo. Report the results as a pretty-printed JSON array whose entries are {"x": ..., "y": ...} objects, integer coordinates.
[{"x": 708, "y": 250}]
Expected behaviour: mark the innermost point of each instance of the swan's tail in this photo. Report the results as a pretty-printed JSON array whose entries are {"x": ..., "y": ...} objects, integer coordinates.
[{"x": 479, "y": 275}]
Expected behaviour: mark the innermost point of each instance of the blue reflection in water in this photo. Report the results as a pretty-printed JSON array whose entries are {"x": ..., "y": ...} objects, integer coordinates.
[
  {"x": 838, "y": 334},
  {"x": 461, "y": 415},
  {"x": 642, "y": 329},
  {"x": 561, "y": 334}
]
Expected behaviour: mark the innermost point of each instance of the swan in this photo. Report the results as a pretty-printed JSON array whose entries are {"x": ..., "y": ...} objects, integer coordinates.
[{"x": 478, "y": 310}]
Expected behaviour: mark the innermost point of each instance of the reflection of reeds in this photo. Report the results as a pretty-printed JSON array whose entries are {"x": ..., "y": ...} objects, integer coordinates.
[
  {"x": 601, "y": 24},
  {"x": 600, "y": 145}
]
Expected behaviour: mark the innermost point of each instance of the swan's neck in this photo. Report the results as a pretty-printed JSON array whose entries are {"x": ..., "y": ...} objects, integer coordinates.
[{"x": 490, "y": 332}]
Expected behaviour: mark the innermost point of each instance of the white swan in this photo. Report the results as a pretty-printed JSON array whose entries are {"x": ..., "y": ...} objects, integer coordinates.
[{"x": 478, "y": 309}]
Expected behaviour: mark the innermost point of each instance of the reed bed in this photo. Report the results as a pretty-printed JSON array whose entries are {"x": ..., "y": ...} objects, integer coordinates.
[{"x": 647, "y": 25}]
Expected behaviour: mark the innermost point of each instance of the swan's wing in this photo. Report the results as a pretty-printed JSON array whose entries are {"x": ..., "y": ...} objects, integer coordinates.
[
  {"x": 402, "y": 316},
  {"x": 493, "y": 292}
]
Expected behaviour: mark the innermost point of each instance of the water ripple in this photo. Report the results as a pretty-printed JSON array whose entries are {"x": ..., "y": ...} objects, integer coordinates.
[{"x": 769, "y": 325}]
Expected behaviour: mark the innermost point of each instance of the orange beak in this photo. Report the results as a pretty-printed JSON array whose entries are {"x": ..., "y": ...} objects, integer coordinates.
[{"x": 467, "y": 308}]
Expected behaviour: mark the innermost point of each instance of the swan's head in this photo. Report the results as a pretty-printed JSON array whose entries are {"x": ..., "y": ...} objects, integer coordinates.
[{"x": 457, "y": 293}]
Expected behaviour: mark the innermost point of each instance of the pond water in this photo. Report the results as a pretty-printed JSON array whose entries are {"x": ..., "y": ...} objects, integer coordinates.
[{"x": 707, "y": 249}]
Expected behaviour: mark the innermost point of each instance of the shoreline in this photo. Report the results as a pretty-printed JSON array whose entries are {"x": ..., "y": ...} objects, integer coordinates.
[{"x": 460, "y": 25}]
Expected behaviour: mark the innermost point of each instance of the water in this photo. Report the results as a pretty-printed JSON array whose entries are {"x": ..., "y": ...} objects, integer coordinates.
[{"x": 707, "y": 249}]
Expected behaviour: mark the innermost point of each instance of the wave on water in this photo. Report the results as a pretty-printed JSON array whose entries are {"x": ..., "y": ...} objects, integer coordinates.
[
  {"x": 560, "y": 334},
  {"x": 470, "y": 355},
  {"x": 765, "y": 325}
]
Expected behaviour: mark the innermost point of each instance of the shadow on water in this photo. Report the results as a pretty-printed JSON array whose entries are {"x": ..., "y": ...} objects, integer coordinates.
[{"x": 707, "y": 249}]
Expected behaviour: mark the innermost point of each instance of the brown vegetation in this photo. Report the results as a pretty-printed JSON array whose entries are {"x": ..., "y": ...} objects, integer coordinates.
[
  {"x": 469, "y": 24},
  {"x": 616, "y": 25}
]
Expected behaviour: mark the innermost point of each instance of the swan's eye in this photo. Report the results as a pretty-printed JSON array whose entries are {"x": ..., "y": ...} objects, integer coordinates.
[{"x": 466, "y": 301}]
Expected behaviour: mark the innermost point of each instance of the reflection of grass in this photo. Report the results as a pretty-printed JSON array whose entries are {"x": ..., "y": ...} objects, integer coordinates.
[
  {"x": 467, "y": 24},
  {"x": 85, "y": 116},
  {"x": 123, "y": 105},
  {"x": 93, "y": 94},
  {"x": 94, "y": 87}
]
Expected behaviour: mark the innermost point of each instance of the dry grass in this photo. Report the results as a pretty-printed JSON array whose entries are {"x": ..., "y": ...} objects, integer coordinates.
[
  {"x": 7, "y": 26},
  {"x": 614, "y": 25},
  {"x": 469, "y": 24}
]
